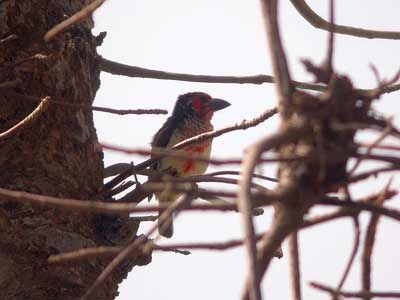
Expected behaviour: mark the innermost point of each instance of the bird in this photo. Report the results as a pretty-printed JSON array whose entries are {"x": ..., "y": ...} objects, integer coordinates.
[{"x": 191, "y": 116}]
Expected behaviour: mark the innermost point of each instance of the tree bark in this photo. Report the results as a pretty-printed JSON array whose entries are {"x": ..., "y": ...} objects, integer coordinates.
[{"x": 57, "y": 155}]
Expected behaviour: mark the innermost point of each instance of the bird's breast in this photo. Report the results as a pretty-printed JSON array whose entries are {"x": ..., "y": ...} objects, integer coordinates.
[{"x": 188, "y": 166}]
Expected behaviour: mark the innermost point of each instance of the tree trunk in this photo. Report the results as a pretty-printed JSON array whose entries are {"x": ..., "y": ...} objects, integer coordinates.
[{"x": 56, "y": 155}]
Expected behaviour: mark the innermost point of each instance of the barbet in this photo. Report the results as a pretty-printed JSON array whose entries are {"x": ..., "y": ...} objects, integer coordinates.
[{"x": 191, "y": 116}]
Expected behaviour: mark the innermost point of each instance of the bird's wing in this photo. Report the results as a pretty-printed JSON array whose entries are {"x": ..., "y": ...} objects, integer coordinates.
[{"x": 163, "y": 136}]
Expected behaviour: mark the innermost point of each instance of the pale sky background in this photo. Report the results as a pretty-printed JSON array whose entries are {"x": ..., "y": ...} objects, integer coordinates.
[{"x": 226, "y": 37}]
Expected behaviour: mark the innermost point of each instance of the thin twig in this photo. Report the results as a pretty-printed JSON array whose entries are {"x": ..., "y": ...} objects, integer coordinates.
[
  {"x": 369, "y": 243},
  {"x": 32, "y": 117},
  {"x": 371, "y": 147},
  {"x": 315, "y": 20},
  {"x": 9, "y": 38},
  {"x": 130, "y": 111},
  {"x": 353, "y": 254},
  {"x": 74, "y": 19},
  {"x": 361, "y": 294},
  {"x": 98, "y": 252},
  {"x": 295, "y": 266},
  {"x": 239, "y": 173},
  {"x": 198, "y": 157},
  {"x": 65, "y": 103},
  {"x": 331, "y": 41}
]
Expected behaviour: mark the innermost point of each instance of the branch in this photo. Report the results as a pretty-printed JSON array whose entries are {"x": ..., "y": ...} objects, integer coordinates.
[
  {"x": 98, "y": 252},
  {"x": 353, "y": 254},
  {"x": 130, "y": 111},
  {"x": 260, "y": 259},
  {"x": 132, "y": 71},
  {"x": 369, "y": 242},
  {"x": 174, "y": 207},
  {"x": 32, "y": 117},
  {"x": 90, "y": 206},
  {"x": 361, "y": 294},
  {"x": 295, "y": 266},
  {"x": 74, "y": 19},
  {"x": 64, "y": 103},
  {"x": 315, "y": 20},
  {"x": 138, "y": 72},
  {"x": 284, "y": 85}
]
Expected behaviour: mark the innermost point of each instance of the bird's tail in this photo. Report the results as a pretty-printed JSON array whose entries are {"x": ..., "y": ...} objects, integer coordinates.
[{"x": 166, "y": 229}]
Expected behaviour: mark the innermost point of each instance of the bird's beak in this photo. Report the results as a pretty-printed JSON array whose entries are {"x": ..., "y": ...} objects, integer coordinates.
[{"x": 218, "y": 104}]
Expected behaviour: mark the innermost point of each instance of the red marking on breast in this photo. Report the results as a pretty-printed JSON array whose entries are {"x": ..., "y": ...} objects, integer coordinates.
[
  {"x": 188, "y": 166},
  {"x": 196, "y": 149}
]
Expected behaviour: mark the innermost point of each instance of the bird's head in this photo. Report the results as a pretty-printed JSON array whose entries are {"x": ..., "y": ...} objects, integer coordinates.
[{"x": 197, "y": 104}]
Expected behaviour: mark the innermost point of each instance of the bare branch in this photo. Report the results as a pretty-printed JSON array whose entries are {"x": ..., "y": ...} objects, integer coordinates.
[
  {"x": 65, "y": 103},
  {"x": 369, "y": 243},
  {"x": 32, "y": 117},
  {"x": 315, "y": 20},
  {"x": 97, "y": 252},
  {"x": 130, "y": 111},
  {"x": 138, "y": 72},
  {"x": 295, "y": 266},
  {"x": 117, "y": 208},
  {"x": 361, "y": 294},
  {"x": 74, "y": 19},
  {"x": 281, "y": 70},
  {"x": 132, "y": 71},
  {"x": 353, "y": 254},
  {"x": 198, "y": 157},
  {"x": 371, "y": 147}
]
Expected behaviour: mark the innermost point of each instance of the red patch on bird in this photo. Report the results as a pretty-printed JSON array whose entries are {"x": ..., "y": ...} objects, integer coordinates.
[
  {"x": 198, "y": 104},
  {"x": 188, "y": 166}
]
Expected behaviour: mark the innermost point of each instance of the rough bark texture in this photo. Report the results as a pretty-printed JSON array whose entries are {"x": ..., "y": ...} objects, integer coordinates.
[{"x": 57, "y": 155}]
